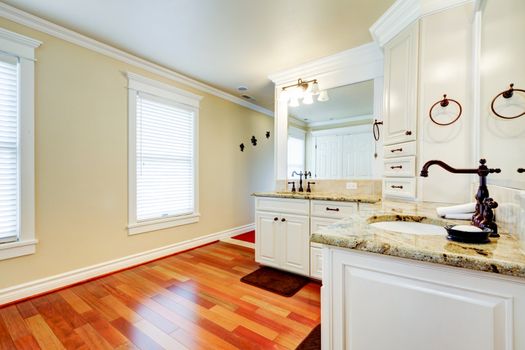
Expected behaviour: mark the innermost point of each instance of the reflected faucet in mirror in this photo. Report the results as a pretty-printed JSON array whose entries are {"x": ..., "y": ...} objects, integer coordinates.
[{"x": 482, "y": 217}]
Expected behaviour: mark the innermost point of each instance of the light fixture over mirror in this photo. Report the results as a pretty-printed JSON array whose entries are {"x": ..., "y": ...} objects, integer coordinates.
[{"x": 303, "y": 90}]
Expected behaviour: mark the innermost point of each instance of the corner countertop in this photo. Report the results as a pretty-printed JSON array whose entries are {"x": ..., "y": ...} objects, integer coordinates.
[
  {"x": 504, "y": 255},
  {"x": 325, "y": 196}
]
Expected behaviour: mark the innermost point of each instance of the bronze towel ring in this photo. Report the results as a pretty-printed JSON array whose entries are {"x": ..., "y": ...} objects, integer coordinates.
[
  {"x": 506, "y": 94},
  {"x": 375, "y": 129},
  {"x": 443, "y": 103}
]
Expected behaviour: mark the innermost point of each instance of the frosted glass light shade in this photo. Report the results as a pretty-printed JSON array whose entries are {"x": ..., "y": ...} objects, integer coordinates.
[
  {"x": 307, "y": 99},
  {"x": 323, "y": 96},
  {"x": 294, "y": 102}
]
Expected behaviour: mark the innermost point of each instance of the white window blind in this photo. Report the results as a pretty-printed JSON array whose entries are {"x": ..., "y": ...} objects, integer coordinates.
[
  {"x": 9, "y": 149},
  {"x": 165, "y": 151}
]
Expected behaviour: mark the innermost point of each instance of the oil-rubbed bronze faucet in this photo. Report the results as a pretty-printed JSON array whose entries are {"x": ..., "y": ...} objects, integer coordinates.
[
  {"x": 301, "y": 174},
  {"x": 483, "y": 216}
]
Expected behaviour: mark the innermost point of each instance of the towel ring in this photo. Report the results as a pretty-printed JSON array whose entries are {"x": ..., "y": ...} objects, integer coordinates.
[
  {"x": 506, "y": 94},
  {"x": 375, "y": 129},
  {"x": 443, "y": 103}
]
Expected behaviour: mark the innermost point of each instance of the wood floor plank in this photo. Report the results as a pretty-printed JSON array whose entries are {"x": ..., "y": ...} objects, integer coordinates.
[
  {"x": 192, "y": 300},
  {"x": 43, "y": 334}
]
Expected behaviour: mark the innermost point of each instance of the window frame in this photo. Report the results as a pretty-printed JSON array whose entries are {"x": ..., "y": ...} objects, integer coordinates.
[
  {"x": 23, "y": 47},
  {"x": 138, "y": 83}
]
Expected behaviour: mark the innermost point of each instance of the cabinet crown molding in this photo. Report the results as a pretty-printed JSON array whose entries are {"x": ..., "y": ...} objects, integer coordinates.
[
  {"x": 404, "y": 12},
  {"x": 357, "y": 56}
]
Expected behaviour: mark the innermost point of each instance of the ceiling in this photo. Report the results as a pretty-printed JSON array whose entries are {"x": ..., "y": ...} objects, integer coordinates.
[
  {"x": 345, "y": 102},
  {"x": 226, "y": 43}
]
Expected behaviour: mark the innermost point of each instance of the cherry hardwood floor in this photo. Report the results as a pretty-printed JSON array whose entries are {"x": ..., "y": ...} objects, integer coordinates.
[{"x": 193, "y": 300}]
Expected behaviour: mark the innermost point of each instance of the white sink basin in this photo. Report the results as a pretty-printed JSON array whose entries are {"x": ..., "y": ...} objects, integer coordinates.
[{"x": 414, "y": 228}]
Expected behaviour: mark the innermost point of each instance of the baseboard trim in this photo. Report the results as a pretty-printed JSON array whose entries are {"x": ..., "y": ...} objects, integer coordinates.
[{"x": 46, "y": 285}]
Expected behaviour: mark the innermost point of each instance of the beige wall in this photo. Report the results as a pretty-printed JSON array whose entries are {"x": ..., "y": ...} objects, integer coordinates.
[{"x": 81, "y": 163}]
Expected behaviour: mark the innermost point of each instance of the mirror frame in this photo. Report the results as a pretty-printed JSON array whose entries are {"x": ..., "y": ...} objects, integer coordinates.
[{"x": 359, "y": 64}]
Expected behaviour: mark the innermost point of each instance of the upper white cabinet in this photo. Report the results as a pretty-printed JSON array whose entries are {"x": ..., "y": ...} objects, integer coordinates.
[{"x": 400, "y": 86}]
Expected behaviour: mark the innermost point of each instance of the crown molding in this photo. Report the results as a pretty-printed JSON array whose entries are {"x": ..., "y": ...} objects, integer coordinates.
[
  {"x": 344, "y": 60},
  {"x": 20, "y": 39},
  {"x": 403, "y": 12},
  {"x": 21, "y": 17}
]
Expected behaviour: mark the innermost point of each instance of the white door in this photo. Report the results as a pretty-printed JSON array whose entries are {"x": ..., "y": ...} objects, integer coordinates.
[
  {"x": 400, "y": 88},
  {"x": 266, "y": 238},
  {"x": 328, "y": 157},
  {"x": 294, "y": 241}
]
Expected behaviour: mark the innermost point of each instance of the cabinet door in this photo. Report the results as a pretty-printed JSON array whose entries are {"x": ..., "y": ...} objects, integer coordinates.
[
  {"x": 294, "y": 240},
  {"x": 266, "y": 238},
  {"x": 401, "y": 66}
]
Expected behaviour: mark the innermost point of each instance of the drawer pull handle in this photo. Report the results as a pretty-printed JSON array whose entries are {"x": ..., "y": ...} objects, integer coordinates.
[
  {"x": 332, "y": 209},
  {"x": 394, "y": 186},
  {"x": 396, "y": 150},
  {"x": 283, "y": 220},
  {"x": 408, "y": 132},
  {"x": 275, "y": 218},
  {"x": 396, "y": 167}
]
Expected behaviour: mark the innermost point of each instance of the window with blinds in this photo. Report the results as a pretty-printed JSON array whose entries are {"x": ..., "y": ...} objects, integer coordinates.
[
  {"x": 164, "y": 158},
  {"x": 9, "y": 150}
]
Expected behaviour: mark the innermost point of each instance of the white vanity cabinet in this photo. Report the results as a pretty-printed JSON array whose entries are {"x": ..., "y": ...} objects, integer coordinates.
[
  {"x": 282, "y": 234},
  {"x": 412, "y": 305},
  {"x": 283, "y": 227}
]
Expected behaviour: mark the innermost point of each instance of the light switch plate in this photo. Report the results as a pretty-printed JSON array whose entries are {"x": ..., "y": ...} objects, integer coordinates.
[{"x": 351, "y": 185}]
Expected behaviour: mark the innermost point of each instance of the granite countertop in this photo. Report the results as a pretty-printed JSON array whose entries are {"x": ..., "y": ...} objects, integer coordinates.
[
  {"x": 503, "y": 255},
  {"x": 326, "y": 196}
]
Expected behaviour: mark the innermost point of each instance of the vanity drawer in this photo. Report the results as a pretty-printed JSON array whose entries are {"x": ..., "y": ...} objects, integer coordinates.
[
  {"x": 400, "y": 167},
  {"x": 290, "y": 206},
  {"x": 400, "y": 150},
  {"x": 333, "y": 209},
  {"x": 399, "y": 187}
]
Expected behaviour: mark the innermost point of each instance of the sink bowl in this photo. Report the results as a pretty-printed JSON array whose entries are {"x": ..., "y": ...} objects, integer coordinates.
[{"x": 413, "y": 228}]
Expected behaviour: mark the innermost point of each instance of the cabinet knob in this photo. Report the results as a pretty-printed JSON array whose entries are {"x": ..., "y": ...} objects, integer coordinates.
[
  {"x": 275, "y": 219},
  {"x": 283, "y": 220},
  {"x": 408, "y": 132}
]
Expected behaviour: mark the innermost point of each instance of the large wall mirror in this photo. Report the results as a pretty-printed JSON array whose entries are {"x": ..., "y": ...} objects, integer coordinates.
[
  {"x": 332, "y": 137},
  {"x": 340, "y": 126},
  {"x": 502, "y": 48}
]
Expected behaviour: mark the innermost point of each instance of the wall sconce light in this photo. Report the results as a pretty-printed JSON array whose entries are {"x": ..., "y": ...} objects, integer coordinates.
[{"x": 303, "y": 90}]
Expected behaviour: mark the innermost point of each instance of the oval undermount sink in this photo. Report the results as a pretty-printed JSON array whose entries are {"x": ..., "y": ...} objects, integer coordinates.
[{"x": 414, "y": 228}]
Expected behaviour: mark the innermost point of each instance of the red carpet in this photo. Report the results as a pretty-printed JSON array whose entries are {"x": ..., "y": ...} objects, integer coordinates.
[{"x": 247, "y": 237}]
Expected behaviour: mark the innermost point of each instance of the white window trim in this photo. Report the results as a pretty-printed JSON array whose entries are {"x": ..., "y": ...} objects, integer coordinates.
[
  {"x": 24, "y": 48},
  {"x": 142, "y": 84}
]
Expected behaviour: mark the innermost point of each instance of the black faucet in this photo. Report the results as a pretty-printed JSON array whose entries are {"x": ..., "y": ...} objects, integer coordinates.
[
  {"x": 308, "y": 189},
  {"x": 484, "y": 205},
  {"x": 301, "y": 174},
  {"x": 293, "y": 185}
]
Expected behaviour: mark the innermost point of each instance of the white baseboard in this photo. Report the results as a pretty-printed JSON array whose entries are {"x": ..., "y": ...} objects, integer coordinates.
[
  {"x": 238, "y": 242},
  {"x": 25, "y": 290}
]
